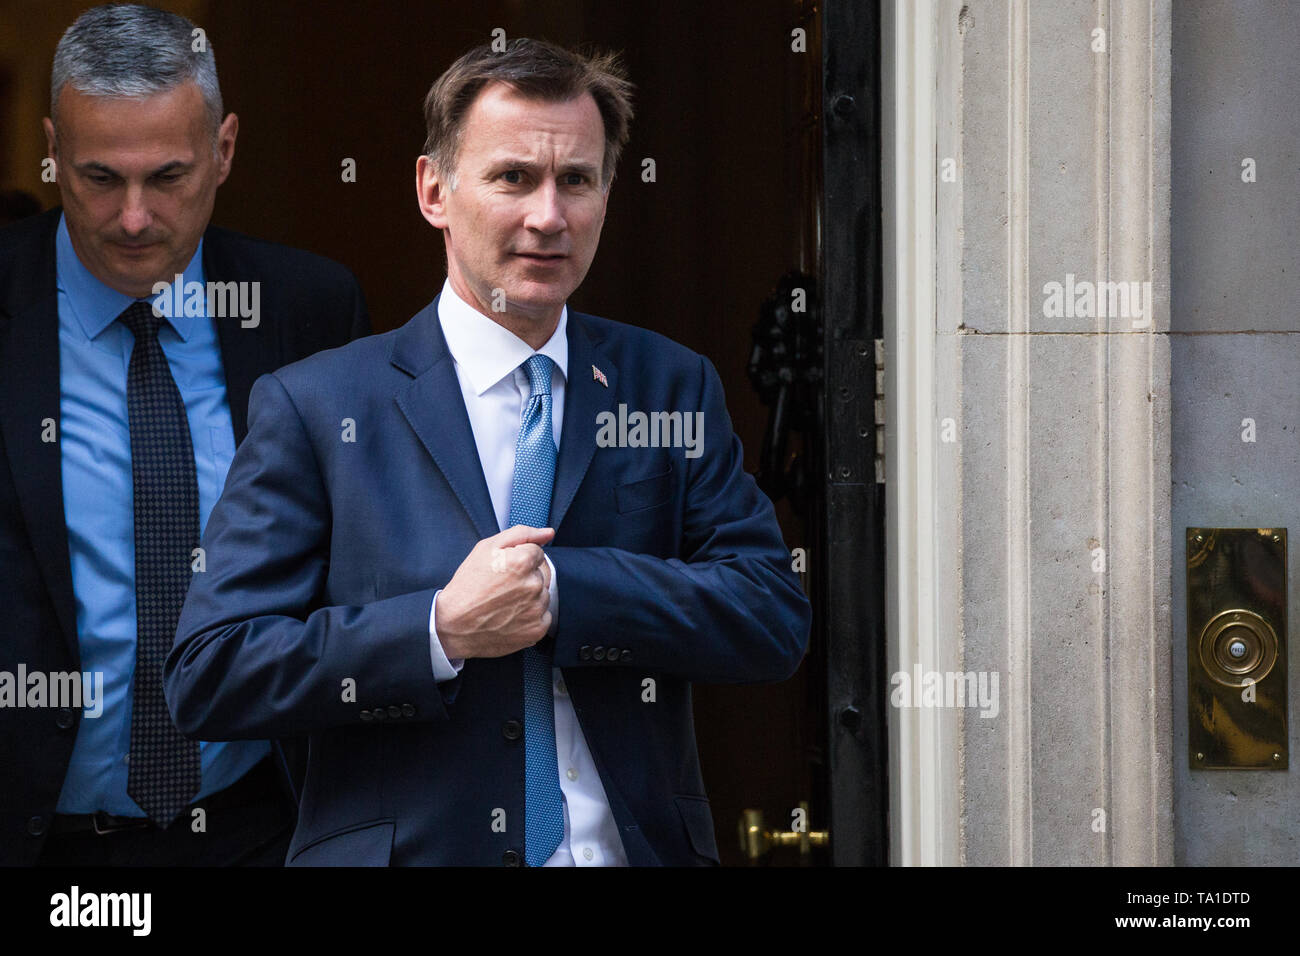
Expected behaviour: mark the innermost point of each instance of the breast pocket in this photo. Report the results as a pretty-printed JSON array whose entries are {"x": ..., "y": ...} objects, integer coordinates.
[{"x": 644, "y": 493}]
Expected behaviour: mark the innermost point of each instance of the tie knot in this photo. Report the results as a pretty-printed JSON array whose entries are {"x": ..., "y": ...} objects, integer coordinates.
[
  {"x": 538, "y": 369},
  {"x": 140, "y": 319}
]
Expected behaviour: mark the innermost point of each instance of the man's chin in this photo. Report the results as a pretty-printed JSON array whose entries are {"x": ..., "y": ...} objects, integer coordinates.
[
  {"x": 137, "y": 283},
  {"x": 537, "y": 302},
  {"x": 140, "y": 273}
]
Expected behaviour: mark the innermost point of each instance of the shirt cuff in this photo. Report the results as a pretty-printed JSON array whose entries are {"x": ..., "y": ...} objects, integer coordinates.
[
  {"x": 443, "y": 669},
  {"x": 555, "y": 598}
]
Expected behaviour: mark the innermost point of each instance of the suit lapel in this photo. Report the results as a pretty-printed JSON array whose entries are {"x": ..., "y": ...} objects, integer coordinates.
[
  {"x": 29, "y": 396},
  {"x": 584, "y": 399},
  {"x": 246, "y": 353},
  {"x": 433, "y": 405}
]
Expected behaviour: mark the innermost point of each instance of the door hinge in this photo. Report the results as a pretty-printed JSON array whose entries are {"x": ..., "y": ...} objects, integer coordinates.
[{"x": 880, "y": 411}]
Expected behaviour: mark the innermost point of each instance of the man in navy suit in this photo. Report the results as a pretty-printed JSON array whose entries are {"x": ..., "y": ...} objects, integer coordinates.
[
  {"x": 139, "y": 145},
  {"x": 476, "y": 695}
]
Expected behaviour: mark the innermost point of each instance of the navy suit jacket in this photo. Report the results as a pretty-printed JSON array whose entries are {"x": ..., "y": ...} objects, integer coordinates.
[
  {"x": 323, "y": 556},
  {"x": 307, "y": 303}
]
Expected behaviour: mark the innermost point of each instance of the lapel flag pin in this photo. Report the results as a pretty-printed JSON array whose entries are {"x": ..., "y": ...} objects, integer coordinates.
[{"x": 598, "y": 376}]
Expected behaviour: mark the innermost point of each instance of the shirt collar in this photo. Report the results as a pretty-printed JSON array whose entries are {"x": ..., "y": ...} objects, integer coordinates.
[
  {"x": 95, "y": 305},
  {"x": 487, "y": 352}
]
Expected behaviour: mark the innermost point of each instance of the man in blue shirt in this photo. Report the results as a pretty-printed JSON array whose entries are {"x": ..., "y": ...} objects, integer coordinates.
[{"x": 130, "y": 334}]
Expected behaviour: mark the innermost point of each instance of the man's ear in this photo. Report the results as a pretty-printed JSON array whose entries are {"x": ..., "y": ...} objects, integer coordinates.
[
  {"x": 51, "y": 143},
  {"x": 431, "y": 193},
  {"x": 226, "y": 146}
]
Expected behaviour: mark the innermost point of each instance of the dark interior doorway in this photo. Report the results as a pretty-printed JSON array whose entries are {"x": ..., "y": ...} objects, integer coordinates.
[
  {"x": 729, "y": 110},
  {"x": 720, "y": 97}
]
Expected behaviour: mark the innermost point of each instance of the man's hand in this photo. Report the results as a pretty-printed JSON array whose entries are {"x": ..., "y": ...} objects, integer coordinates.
[{"x": 498, "y": 600}]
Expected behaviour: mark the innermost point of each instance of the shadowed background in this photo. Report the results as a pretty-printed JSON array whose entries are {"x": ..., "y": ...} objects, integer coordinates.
[{"x": 719, "y": 100}]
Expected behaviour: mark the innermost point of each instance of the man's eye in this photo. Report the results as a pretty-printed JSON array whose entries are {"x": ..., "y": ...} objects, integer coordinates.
[
  {"x": 168, "y": 177},
  {"x": 575, "y": 179},
  {"x": 99, "y": 179},
  {"x": 513, "y": 176}
]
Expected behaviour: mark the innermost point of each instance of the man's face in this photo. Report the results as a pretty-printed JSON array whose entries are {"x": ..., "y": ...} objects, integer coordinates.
[
  {"x": 138, "y": 179},
  {"x": 526, "y": 213}
]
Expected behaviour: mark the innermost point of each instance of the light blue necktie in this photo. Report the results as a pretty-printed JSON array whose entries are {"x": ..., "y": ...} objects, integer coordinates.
[{"x": 530, "y": 504}]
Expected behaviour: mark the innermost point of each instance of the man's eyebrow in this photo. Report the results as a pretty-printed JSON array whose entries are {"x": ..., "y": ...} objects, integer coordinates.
[
  {"x": 508, "y": 162},
  {"x": 173, "y": 166},
  {"x": 96, "y": 166},
  {"x": 587, "y": 169}
]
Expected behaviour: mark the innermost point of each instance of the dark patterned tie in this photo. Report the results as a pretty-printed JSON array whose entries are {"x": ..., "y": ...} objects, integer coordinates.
[{"x": 164, "y": 771}]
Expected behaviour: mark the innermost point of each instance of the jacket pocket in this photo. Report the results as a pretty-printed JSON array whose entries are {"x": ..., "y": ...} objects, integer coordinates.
[
  {"x": 644, "y": 493},
  {"x": 362, "y": 844},
  {"x": 698, "y": 821}
]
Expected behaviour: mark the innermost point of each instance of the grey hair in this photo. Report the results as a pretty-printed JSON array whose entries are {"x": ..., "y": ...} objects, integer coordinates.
[{"x": 127, "y": 49}]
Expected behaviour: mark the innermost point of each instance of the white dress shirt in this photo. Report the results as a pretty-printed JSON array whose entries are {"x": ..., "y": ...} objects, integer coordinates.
[{"x": 495, "y": 389}]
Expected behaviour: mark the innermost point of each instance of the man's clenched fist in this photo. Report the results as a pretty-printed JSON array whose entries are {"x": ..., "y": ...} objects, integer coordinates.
[{"x": 498, "y": 600}]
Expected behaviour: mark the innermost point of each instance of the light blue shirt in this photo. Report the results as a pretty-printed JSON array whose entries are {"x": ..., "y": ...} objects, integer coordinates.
[{"x": 95, "y": 445}]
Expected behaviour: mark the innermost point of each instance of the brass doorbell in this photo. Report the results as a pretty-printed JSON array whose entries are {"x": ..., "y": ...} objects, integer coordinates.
[{"x": 1236, "y": 648}]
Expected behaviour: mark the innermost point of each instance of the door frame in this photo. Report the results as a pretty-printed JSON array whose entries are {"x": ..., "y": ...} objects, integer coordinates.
[
  {"x": 924, "y": 795},
  {"x": 852, "y": 598}
]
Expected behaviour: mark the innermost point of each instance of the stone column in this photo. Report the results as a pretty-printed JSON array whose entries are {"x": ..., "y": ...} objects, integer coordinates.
[{"x": 1049, "y": 463}]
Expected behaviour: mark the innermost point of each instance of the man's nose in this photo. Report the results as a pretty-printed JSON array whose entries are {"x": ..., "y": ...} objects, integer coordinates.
[
  {"x": 135, "y": 216},
  {"x": 545, "y": 210}
]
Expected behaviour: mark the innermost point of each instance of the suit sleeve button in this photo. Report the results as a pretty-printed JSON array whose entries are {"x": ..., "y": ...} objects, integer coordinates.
[
  {"x": 584, "y": 652},
  {"x": 367, "y": 716},
  {"x": 380, "y": 713},
  {"x": 512, "y": 730},
  {"x": 64, "y": 718},
  {"x": 394, "y": 712},
  {"x": 408, "y": 710},
  {"x": 625, "y": 655},
  {"x": 511, "y": 858},
  {"x": 598, "y": 652},
  {"x": 36, "y": 825},
  {"x": 611, "y": 654}
]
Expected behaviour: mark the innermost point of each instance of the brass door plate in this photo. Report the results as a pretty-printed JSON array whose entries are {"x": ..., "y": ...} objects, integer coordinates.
[{"x": 1236, "y": 648}]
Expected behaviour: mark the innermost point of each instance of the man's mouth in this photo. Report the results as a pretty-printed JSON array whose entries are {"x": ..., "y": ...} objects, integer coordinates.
[{"x": 542, "y": 256}]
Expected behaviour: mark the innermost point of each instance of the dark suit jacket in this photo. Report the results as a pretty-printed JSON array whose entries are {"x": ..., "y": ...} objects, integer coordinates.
[
  {"x": 307, "y": 303},
  {"x": 322, "y": 561}
]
